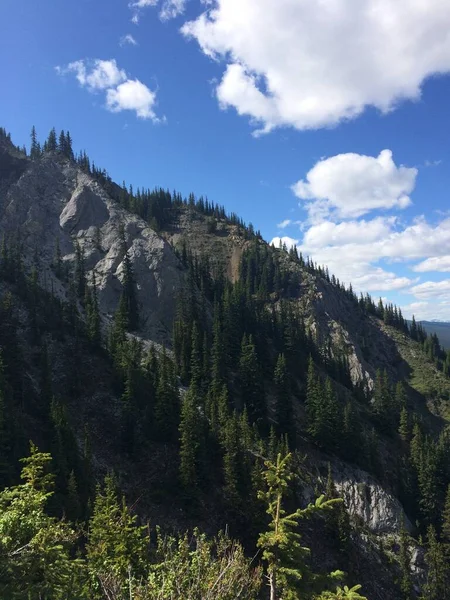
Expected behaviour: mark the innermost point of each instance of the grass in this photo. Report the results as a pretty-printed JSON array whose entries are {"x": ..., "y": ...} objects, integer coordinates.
[{"x": 424, "y": 377}]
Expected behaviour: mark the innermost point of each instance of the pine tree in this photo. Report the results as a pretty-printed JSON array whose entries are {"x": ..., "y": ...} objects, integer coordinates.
[
  {"x": 284, "y": 413},
  {"x": 73, "y": 500},
  {"x": 51, "y": 145},
  {"x": 435, "y": 587},
  {"x": 116, "y": 545},
  {"x": 68, "y": 150},
  {"x": 191, "y": 438},
  {"x": 129, "y": 290},
  {"x": 93, "y": 323},
  {"x": 167, "y": 402},
  {"x": 282, "y": 551},
  {"x": 5, "y": 428},
  {"x": 35, "y": 560},
  {"x": 445, "y": 535},
  {"x": 195, "y": 362},
  {"x": 80, "y": 271},
  {"x": 62, "y": 143},
  {"x": 404, "y": 557},
  {"x": 250, "y": 379},
  {"x": 58, "y": 263},
  {"x": 404, "y": 429},
  {"x": 35, "y": 150}
]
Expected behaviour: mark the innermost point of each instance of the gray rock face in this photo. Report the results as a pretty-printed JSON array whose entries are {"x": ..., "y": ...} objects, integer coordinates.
[
  {"x": 54, "y": 200},
  {"x": 366, "y": 499}
]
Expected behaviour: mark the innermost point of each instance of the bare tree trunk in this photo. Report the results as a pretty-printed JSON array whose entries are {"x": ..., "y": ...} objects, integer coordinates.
[{"x": 273, "y": 586}]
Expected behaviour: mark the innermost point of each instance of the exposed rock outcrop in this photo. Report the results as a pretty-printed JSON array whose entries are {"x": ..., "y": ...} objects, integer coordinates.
[{"x": 53, "y": 199}]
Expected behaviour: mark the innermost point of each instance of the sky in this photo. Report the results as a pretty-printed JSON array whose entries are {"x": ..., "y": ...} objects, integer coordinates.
[{"x": 323, "y": 122}]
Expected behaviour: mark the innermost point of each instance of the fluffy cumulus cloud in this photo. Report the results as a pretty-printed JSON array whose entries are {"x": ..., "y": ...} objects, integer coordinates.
[
  {"x": 428, "y": 311},
  {"x": 132, "y": 95},
  {"x": 353, "y": 249},
  {"x": 434, "y": 263},
  {"x": 432, "y": 289},
  {"x": 311, "y": 64},
  {"x": 351, "y": 185},
  {"x": 377, "y": 253},
  {"x": 121, "y": 92}
]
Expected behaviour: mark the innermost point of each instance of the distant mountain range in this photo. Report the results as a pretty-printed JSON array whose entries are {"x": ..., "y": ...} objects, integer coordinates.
[{"x": 441, "y": 328}]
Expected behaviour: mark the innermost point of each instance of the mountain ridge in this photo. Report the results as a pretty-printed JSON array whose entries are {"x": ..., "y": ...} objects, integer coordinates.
[{"x": 207, "y": 271}]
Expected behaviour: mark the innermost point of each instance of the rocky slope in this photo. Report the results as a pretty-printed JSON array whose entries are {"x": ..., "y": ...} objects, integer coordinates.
[{"x": 52, "y": 202}]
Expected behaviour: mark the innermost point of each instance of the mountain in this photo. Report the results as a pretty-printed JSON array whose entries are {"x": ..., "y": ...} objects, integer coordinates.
[
  {"x": 163, "y": 339},
  {"x": 441, "y": 329}
]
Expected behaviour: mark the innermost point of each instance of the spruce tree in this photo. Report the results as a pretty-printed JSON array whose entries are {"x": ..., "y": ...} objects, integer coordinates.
[
  {"x": 80, "y": 271},
  {"x": 445, "y": 534},
  {"x": 435, "y": 586},
  {"x": 284, "y": 413},
  {"x": 129, "y": 290},
  {"x": 250, "y": 379},
  {"x": 51, "y": 145},
  {"x": 35, "y": 150},
  {"x": 116, "y": 546},
  {"x": 283, "y": 552},
  {"x": 191, "y": 439},
  {"x": 167, "y": 402},
  {"x": 404, "y": 557},
  {"x": 404, "y": 429}
]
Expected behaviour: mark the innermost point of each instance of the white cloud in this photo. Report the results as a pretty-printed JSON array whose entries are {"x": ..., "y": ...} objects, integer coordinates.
[
  {"x": 132, "y": 95},
  {"x": 427, "y": 311},
  {"x": 311, "y": 64},
  {"x": 434, "y": 263},
  {"x": 143, "y": 3},
  {"x": 128, "y": 39},
  {"x": 169, "y": 9},
  {"x": 122, "y": 93},
  {"x": 353, "y": 249},
  {"x": 290, "y": 242},
  {"x": 328, "y": 233},
  {"x": 432, "y": 289},
  {"x": 284, "y": 224},
  {"x": 96, "y": 75},
  {"x": 351, "y": 185}
]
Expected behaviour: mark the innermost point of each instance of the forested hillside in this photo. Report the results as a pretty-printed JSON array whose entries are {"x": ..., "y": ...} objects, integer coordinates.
[{"x": 155, "y": 347}]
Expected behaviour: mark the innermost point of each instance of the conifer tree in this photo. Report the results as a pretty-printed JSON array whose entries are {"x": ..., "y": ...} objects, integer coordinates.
[
  {"x": 51, "y": 145},
  {"x": 404, "y": 557},
  {"x": 35, "y": 151},
  {"x": 80, "y": 271},
  {"x": 35, "y": 559},
  {"x": 92, "y": 313},
  {"x": 167, "y": 402},
  {"x": 250, "y": 380},
  {"x": 445, "y": 534},
  {"x": 404, "y": 429},
  {"x": 195, "y": 359},
  {"x": 129, "y": 290},
  {"x": 284, "y": 414},
  {"x": 191, "y": 439},
  {"x": 116, "y": 545},
  {"x": 5, "y": 428},
  {"x": 73, "y": 500},
  {"x": 282, "y": 550},
  {"x": 435, "y": 586}
]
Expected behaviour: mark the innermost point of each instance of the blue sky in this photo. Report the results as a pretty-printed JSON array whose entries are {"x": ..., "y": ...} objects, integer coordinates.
[{"x": 330, "y": 118}]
